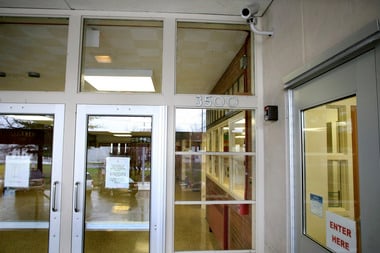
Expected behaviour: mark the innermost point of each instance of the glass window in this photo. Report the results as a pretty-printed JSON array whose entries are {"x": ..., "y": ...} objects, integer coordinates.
[
  {"x": 122, "y": 56},
  {"x": 25, "y": 180},
  {"x": 215, "y": 161},
  {"x": 213, "y": 59},
  {"x": 33, "y": 53},
  {"x": 331, "y": 197},
  {"x": 202, "y": 236}
]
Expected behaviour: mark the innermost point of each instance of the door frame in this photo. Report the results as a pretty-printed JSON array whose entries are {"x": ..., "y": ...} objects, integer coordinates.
[
  {"x": 368, "y": 96},
  {"x": 157, "y": 221},
  {"x": 54, "y": 223}
]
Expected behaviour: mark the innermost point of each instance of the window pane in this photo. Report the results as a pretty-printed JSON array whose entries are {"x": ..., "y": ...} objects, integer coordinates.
[
  {"x": 122, "y": 56},
  {"x": 234, "y": 184},
  {"x": 118, "y": 177},
  {"x": 214, "y": 152},
  {"x": 116, "y": 241},
  {"x": 34, "y": 240},
  {"x": 214, "y": 162},
  {"x": 33, "y": 53},
  {"x": 331, "y": 194},
  {"x": 25, "y": 180},
  {"x": 213, "y": 227},
  {"x": 213, "y": 59}
]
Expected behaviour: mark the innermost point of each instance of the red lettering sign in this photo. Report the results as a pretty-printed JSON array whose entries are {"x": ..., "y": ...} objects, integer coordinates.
[
  {"x": 340, "y": 228},
  {"x": 340, "y": 242},
  {"x": 340, "y": 233}
]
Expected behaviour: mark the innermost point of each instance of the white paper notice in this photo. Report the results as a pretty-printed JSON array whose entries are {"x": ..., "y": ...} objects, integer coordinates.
[
  {"x": 316, "y": 205},
  {"x": 17, "y": 169},
  {"x": 117, "y": 172}
]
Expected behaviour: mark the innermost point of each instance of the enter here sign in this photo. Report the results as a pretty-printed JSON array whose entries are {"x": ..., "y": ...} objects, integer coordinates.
[{"x": 340, "y": 233}]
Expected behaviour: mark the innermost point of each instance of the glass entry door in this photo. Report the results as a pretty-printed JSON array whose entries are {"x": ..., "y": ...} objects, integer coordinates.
[
  {"x": 118, "y": 179},
  {"x": 336, "y": 148},
  {"x": 31, "y": 138}
]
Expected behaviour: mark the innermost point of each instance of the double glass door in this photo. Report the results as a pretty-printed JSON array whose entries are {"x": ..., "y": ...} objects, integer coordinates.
[{"x": 118, "y": 178}]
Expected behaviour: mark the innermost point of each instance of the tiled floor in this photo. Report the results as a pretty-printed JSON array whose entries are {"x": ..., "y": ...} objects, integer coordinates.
[{"x": 191, "y": 230}]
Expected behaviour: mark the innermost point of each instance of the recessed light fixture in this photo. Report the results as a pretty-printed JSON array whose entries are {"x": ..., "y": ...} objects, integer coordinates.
[
  {"x": 31, "y": 117},
  {"x": 120, "y": 80},
  {"x": 122, "y": 135},
  {"x": 103, "y": 58}
]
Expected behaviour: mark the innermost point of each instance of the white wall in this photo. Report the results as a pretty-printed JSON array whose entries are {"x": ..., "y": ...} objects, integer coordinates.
[{"x": 303, "y": 31}]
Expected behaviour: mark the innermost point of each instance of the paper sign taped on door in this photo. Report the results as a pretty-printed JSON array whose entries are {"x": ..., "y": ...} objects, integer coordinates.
[
  {"x": 17, "y": 169},
  {"x": 117, "y": 172}
]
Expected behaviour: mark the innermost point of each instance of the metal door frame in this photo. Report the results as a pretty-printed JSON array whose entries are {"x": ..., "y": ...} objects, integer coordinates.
[
  {"x": 157, "y": 221},
  {"x": 54, "y": 223},
  {"x": 308, "y": 89}
]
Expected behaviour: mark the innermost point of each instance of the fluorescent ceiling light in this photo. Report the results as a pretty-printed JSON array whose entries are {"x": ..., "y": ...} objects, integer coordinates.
[
  {"x": 238, "y": 130},
  {"x": 103, "y": 58},
  {"x": 120, "y": 80},
  {"x": 122, "y": 135},
  {"x": 119, "y": 132},
  {"x": 31, "y": 117}
]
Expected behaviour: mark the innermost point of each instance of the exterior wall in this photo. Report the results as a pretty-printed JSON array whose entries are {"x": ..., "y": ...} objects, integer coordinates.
[{"x": 303, "y": 30}]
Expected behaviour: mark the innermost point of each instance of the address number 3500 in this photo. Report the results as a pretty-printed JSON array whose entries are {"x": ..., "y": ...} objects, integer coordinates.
[{"x": 218, "y": 101}]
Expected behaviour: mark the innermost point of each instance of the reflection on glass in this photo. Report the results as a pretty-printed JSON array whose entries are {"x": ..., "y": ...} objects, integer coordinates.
[
  {"x": 213, "y": 59},
  {"x": 238, "y": 134},
  {"x": 213, "y": 227},
  {"x": 196, "y": 132},
  {"x": 214, "y": 144},
  {"x": 214, "y": 162},
  {"x": 194, "y": 233},
  {"x": 331, "y": 174},
  {"x": 118, "y": 177},
  {"x": 33, "y": 240},
  {"x": 189, "y": 175},
  {"x": 25, "y": 173},
  {"x": 122, "y": 56},
  {"x": 226, "y": 172},
  {"x": 117, "y": 241},
  {"x": 214, "y": 166},
  {"x": 33, "y": 53},
  {"x": 238, "y": 174},
  {"x": 191, "y": 168},
  {"x": 239, "y": 185}
]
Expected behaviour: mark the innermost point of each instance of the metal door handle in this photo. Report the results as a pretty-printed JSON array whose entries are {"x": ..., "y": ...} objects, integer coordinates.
[
  {"x": 54, "y": 202},
  {"x": 76, "y": 203}
]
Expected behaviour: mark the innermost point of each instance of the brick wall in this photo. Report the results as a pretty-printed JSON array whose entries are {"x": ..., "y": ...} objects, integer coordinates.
[{"x": 231, "y": 228}]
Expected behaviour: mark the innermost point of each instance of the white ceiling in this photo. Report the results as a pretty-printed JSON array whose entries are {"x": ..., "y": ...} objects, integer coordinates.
[{"x": 225, "y": 7}]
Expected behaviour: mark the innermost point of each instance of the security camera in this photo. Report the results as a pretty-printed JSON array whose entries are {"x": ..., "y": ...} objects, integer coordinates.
[{"x": 249, "y": 12}]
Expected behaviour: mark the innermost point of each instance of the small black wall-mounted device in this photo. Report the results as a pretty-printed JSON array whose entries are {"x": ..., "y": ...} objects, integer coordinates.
[{"x": 271, "y": 112}]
